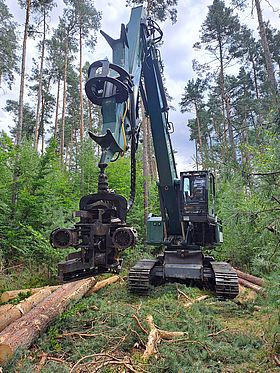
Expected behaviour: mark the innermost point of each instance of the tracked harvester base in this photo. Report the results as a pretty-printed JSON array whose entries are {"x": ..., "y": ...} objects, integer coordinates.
[{"x": 219, "y": 277}]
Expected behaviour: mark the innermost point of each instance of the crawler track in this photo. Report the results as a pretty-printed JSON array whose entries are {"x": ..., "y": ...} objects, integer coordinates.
[
  {"x": 226, "y": 281},
  {"x": 139, "y": 277}
]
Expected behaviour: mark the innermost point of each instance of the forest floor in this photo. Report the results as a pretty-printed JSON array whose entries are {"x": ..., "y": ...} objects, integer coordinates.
[{"x": 108, "y": 332}]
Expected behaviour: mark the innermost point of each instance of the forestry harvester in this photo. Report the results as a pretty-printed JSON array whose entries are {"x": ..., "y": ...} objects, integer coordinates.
[{"x": 188, "y": 223}]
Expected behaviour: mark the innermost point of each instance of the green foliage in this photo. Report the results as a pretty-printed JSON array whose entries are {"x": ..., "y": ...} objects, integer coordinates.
[
  {"x": 8, "y": 46},
  {"x": 218, "y": 335},
  {"x": 45, "y": 199},
  {"x": 251, "y": 220},
  {"x": 29, "y": 120},
  {"x": 160, "y": 10}
]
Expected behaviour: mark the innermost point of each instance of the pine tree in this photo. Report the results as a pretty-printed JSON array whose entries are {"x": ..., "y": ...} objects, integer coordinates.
[
  {"x": 193, "y": 97},
  {"x": 8, "y": 46},
  {"x": 42, "y": 9},
  {"x": 26, "y": 4},
  {"x": 218, "y": 33},
  {"x": 84, "y": 19},
  {"x": 159, "y": 9},
  {"x": 264, "y": 43}
]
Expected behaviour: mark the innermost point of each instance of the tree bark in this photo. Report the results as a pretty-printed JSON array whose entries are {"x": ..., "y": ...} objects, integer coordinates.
[
  {"x": 150, "y": 152},
  {"x": 22, "y": 74},
  {"x": 56, "y": 109},
  {"x": 71, "y": 147},
  {"x": 42, "y": 125},
  {"x": 267, "y": 54},
  {"x": 37, "y": 124},
  {"x": 255, "y": 78},
  {"x": 64, "y": 104},
  {"x": 5, "y": 308},
  {"x": 226, "y": 105},
  {"x": 24, "y": 331},
  {"x": 102, "y": 284},
  {"x": 230, "y": 129},
  {"x": 255, "y": 280},
  {"x": 12, "y": 294},
  {"x": 23, "y": 308},
  {"x": 247, "y": 284},
  {"x": 81, "y": 84},
  {"x": 199, "y": 132},
  {"x": 89, "y": 116}
]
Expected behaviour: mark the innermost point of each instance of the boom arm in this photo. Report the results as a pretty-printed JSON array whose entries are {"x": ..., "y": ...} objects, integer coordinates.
[
  {"x": 116, "y": 88},
  {"x": 187, "y": 210},
  {"x": 158, "y": 112}
]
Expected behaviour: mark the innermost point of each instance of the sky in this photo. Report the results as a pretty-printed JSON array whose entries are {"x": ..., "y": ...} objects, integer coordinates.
[{"x": 177, "y": 55}]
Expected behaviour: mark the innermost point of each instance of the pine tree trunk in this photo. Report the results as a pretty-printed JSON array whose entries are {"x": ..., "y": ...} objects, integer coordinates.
[
  {"x": 267, "y": 54},
  {"x": 81, "y": 86},
  {"x": 222, "y": 87},
  {"x": 196, "y": 155},
  {"x": 56, "y": 109},
  {"x": 220, "y": 139},
  {"x": 226, "y": 105},
  {"x": 37, "y": 124},
  {"x": 230, "y": 129},
  {"x": 199, "y": 133},
  {"x": 22, "y": 74},
  {"x": 71, "y": 147},
  {"x": 20, "y": 111},
  {"x": 64, "y": 105},
  {"x": 89, "y": 116},
  {"x": 255, "y": 78}
]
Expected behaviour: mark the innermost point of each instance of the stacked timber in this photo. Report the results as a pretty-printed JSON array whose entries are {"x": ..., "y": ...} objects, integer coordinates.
[
  {"x": 27, "y": 320},
  {"x": 24, "y": 331},
  {"x": 250, "y": 281},
  {"x": 15, "y": 312},
  {"x": 11, "y": 294},
  {"x": 255, "y": 280}
]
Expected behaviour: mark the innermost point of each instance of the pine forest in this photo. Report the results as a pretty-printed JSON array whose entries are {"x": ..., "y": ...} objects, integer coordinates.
[{"x": 50, "y": 167}]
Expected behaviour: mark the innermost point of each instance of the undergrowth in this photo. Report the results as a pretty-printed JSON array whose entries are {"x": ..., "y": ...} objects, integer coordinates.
[{"x": 219, "y": 336}]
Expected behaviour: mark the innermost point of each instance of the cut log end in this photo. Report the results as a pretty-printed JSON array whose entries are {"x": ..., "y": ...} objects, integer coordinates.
[{"x": 6, "y": 353}]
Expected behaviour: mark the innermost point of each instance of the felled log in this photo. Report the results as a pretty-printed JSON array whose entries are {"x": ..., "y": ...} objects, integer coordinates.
[
  {"x": 247, "y": 284},
  {"x": 23, "y": 307},
  {"x": 255, "y": 280},
  {"x": 21, "y": 333},
  {"x": 102, "y": 284},
  {"x": 11, "y": 294},
  {"x": 5, "y": 308},
  {"x": 155, "y": 336}
]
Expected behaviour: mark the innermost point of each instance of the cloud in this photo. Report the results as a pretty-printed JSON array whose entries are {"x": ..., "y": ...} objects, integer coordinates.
[{"x": 177, "y": 54}]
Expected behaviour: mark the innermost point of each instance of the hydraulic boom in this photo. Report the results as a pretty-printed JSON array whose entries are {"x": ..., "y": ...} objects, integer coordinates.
[{"x": 188, "y": 223}]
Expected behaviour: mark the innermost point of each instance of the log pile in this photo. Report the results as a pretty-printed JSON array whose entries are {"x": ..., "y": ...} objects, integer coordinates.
[
  {"x": 250, "y": 281},
  {"x": 12, "y": 294},
  {"x": 17, "y": 311},
  {"x": 22, "y": 324},
  {"x": 250, "y": 278}
]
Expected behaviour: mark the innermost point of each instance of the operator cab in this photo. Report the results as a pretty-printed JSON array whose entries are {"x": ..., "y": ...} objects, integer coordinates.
[{"x": 197, "y": 196}]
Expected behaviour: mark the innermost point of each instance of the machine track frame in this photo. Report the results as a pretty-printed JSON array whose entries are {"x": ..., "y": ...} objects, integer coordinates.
[{"x": 219, "y": 277}]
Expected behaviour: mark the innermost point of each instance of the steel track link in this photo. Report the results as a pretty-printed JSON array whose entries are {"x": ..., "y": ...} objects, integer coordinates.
[
  {"x": 226, "y": 280},
  {"x": 139, "y": 277}
]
